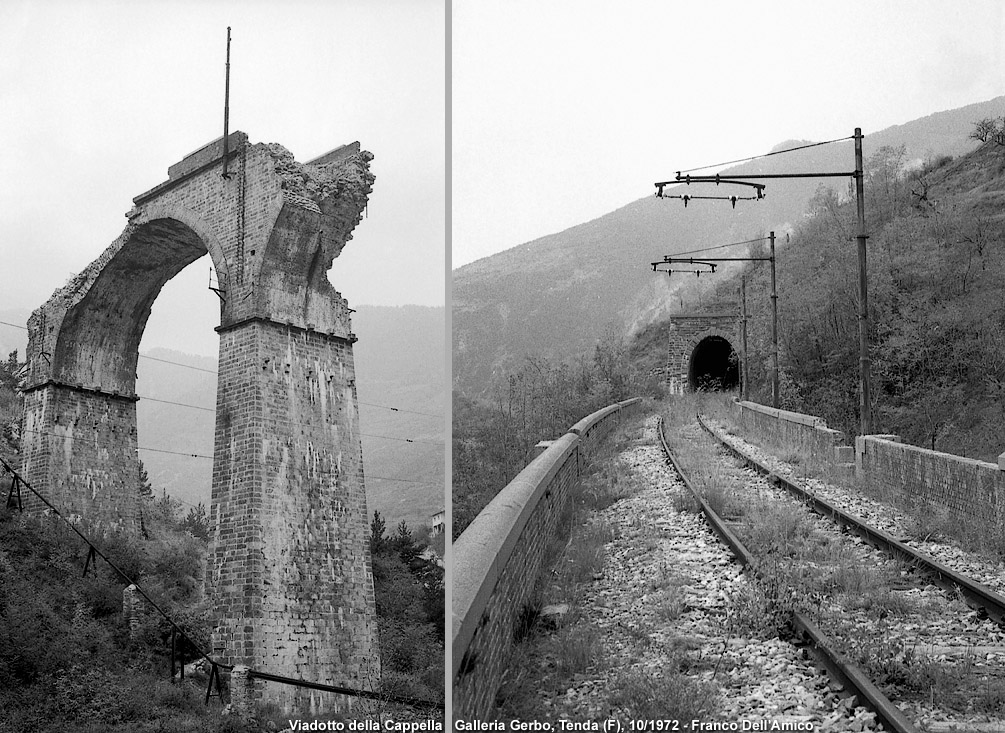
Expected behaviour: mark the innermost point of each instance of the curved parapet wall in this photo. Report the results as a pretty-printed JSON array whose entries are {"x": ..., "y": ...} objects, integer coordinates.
[{"x": 497, "y": 558}]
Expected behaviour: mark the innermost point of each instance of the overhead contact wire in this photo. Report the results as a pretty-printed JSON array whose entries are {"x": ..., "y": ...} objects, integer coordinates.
[{"x": 767, "y": 155}]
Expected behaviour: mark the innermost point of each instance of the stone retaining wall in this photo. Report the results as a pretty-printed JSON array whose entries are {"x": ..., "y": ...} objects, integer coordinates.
[
  {"x": 499, "y": 555},
  {"x": 968, "y": 488},
  {"x": 785, "y": 430}
]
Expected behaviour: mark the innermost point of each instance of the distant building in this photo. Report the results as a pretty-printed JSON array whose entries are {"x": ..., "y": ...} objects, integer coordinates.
[{"x": 438, "y": 523}]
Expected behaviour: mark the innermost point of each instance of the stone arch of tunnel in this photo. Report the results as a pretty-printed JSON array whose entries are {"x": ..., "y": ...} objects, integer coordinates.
[
  {"x": 714, "y": 365},
  {"x": 700, "y": 352},
  {"x": 288, "y": 572}
]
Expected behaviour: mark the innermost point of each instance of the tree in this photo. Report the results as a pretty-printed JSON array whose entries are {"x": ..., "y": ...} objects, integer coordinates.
[
  {"x": 196, "y": 522},
  {"x": 146, "y": 489},
  {"x": 987, "y": 129},
  {"x": 9, "y": 370},
  {"x": 11, "y": 406},
  {"x": 377, "y": 539},
  {"x": 404, "y": 544}
]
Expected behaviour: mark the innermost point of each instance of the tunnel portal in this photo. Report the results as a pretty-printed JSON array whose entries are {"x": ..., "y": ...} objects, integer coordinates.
[
  {"x": 700, "y": 352},
  {"x": 714, "y": 366}
]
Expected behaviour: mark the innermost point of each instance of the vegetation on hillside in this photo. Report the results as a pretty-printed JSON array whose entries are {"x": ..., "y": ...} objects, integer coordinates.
[
  {"x": 410, "y": 612},
  {"x": 10, "y": 408},
  {"x": 936, "y": 262},
  {"x": 68, "y": 662},
  {"x": 66, "y": 656},
  {"x": 492, "y": 438}
]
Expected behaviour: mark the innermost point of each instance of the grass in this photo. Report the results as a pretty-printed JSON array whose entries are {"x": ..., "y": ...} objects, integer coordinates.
[
  {"x": 774, "y": 528},
  {"x": 790, "y": 578},
  {"x": 670, "y": 606},
  {"x": 609, "y": 482},
  {"x": 664, "y": 694},
  {"x": 575, "y": 649},
  {"x": 927, "y": 521},
  {"x": 584, "y": 556},
  {"x": 548, "y": 659}
]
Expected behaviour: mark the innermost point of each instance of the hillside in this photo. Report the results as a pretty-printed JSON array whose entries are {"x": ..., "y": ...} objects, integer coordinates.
[
  {"x": 556, "y": 295},
  {"x": 937, "y": 307},
  {"x": 400, "y": 362}
]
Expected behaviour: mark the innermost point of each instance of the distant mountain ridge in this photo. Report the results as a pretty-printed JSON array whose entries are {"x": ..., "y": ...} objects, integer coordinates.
[{"x": 555, "y": 296}]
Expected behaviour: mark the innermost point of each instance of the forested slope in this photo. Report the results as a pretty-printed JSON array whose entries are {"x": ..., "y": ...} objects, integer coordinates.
[{"x": 936, "y": 262}]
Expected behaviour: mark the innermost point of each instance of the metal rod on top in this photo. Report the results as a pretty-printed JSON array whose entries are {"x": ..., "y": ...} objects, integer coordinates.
[
  {"x": 226, "y": 113},
  {"x": 865, "y": 364}
]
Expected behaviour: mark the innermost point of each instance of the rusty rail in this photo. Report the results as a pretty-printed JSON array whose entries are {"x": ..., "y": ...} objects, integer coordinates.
[{"x": 838, "y": 666}]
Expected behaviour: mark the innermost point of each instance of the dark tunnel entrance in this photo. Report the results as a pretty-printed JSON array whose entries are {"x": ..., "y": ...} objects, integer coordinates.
[{"x": 714, "y": 366}]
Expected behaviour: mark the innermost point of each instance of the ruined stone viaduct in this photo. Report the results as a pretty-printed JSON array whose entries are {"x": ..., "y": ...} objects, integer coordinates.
[{"x": 289, "y": 569}]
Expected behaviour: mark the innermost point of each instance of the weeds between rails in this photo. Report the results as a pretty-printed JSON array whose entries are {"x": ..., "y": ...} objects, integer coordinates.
[{"x": 858, "y": 604}]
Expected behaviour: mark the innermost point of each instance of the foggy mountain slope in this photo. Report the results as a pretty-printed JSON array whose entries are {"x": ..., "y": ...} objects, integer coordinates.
[
  {"x": 555, "y": 296},
  {"x": 401, "y": 363},
  {"x": 14, "y": 336}
]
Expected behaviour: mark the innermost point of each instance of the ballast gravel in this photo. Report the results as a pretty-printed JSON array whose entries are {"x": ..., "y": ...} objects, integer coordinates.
[
  {"x": 880, "y": 515},
  {"x": 665, "y": 590},
  {"x": 981, "y": 639}
]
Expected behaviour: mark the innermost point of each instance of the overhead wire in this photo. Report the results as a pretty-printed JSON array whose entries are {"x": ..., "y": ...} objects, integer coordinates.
[
  {"x": 211, "y": 371},
  {"x": 767, "y": 155},
  {"x": 175, "y": 363},
  {"x": 369, "y": 435},
  {"x": 203, "y": 455},
  {"x": 723, "y": 246}
]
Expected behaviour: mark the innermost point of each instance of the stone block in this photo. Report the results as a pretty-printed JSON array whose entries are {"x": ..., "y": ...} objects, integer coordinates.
[{"x": 844, "y": 454}]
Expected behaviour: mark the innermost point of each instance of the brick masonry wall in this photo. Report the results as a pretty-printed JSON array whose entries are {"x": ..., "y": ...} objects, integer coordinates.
[
  {"x": 968, "y": 488},
  {"x": 290, "y": 573},
  {"x": 270, "y": 245},
  {"x": 498, "y": 557},
  {"x": 80, "y": 450},
  {"x": 785, "y": 430},
  {"x": 594, "y": 429},
  {"x": 290, "y": 566},
  {"x": 686, "y": 332}
]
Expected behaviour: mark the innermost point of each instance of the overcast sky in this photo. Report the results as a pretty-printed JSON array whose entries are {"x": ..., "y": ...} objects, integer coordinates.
[
  {"x": 98, "y": 98},
  {"x": 565, "y": 110}
]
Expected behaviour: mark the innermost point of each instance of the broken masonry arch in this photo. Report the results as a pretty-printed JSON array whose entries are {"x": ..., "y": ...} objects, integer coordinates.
[
  {"x": 112, "y": 316},
  {"x": 288, "y": 571}
]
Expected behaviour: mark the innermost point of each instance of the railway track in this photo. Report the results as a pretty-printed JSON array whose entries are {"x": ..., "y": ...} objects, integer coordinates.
[
  {"x": 977, "y": 595},
  {"x": 660, "y": 633},
  {"x": 919, "y": 644}
]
